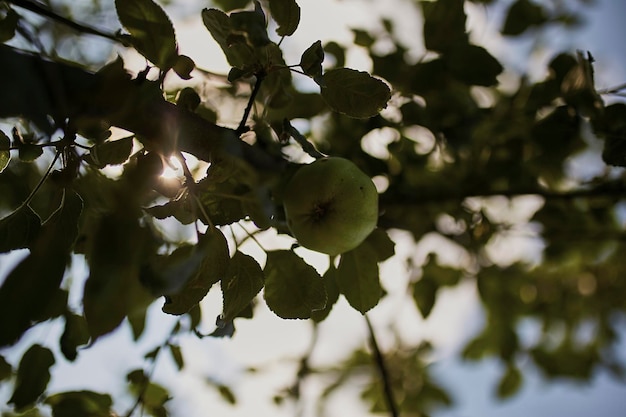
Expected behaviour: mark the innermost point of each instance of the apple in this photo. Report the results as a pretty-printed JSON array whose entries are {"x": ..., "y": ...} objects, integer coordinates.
[{"x": 331, "y": 206}]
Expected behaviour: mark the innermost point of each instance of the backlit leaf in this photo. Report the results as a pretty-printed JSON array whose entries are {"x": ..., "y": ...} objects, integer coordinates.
[
  {"x": 444, "y": 24},
  {"x": 425, "y": 295},
  {"x": 5, "y": 153},
  {"x": 33, "y": 375},
  {"x": 5, "y": 369},
  {"x": 80, "y": 403},
  {"x": 354, "y": 93},
  {"x": 183, "y": 66},
  {"x": 18, "y": 229},
  {"x": 212, "y": 268},
  {"x": 242, "y": 282},
  {"x": 113, "y": 152},
  {"x": 522, "y": 15},
  {"x": 287, "y": 14},
  {"x": 25, "y": 295},
  {"x": 473, "y": 65},
  {"x": 311, "y": 61},
  {"x": 510, "y": 382},
  {"x": 74, "y": 335},
  {"x": 151, "y": 30},
  {"x": 357, "y": 277},
  {"x": 219, "y": 25},
  {"x": 8, "y": 25},
  {"x": 332, "y": 294},
  {"x": 177, "y": 355},
  {"x": 382, "y": 244},
  {"x": 293, "y": 288}
]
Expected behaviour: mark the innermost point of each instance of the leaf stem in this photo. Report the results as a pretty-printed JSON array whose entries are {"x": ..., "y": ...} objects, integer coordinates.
[
  {"x": 255, "y": 91},
  {"x": 41, "y": 181},
  {"x": 379, "y": 360}
]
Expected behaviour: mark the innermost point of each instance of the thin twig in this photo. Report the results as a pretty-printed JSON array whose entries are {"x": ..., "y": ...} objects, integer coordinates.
[
  {"x": 382, "y": 369},
  {"x": 41, "y": 181},
  {"x": 257, "y": 86},
  {"x": 80, "y": 27}
]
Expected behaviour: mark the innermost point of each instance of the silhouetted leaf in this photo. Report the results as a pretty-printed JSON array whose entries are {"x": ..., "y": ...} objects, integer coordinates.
[
  {"x": 293, "y": 289},
  {"x": 151, "y": 30},
  {"x": 357, "y": 277},
  {"x": 354, "y": 93},
  {"x": 332, "y": 294},
  {"x": 80, "y": 403},
  {"x": 183, "y": 66},
  {"x": 33, "y": 375},
  {"x": 311, "y": 61},
  {"x": 5, "y": 153},
  {"x": 510, "y": 382},
  {"x": 113, "y": 152},
  {"x": 5, "y": 369},
  {"x": 382, "y": 244},
  {"x": 473, "y": 65},
  {"x": 8, "y": 25},
  {"x": 522, "y": 15},
  {"x": 287, "y": 14},
  {"x": 212, "y": 268},
  {"x": 177, "y": 355},
  {"x": 242, "y": 282},
  {"x": 425, "y": 294},
  {"x": 25, "y": 295},
  {"x": 75, "y": 334},
  {"x": 227, "y": 394},
  {"x": 18, "y": 229},
  {"x": 444, "y": 24}
]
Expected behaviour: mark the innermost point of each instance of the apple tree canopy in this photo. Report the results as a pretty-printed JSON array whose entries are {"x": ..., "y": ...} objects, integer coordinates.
[{"x": 459, "y": 145}]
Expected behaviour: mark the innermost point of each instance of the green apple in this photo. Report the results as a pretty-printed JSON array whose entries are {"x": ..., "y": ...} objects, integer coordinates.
[{"x": 331, "y": 205}]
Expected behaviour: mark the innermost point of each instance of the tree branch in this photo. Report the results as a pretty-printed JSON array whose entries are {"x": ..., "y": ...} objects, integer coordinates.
[
  {"x": 379, "y": 360},
  {"x": 46, "y": 12}
]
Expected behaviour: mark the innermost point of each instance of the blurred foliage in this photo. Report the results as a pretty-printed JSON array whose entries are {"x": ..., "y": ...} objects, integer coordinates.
[{"x": 460, "y": 144}]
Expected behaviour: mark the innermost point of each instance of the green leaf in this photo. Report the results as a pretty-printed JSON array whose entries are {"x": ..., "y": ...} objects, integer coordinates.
[
  {"x": 293, "y": 288},
  {"x": 243, "y": 281},
  {"x": 253, "y": 24},
  {"x": 228, "y": 5},
  {"x": 177, "y": 355},
  {"x": 183, "y": 66},
  {"x": 510, "y": 382},
  {"x": 227, "y": 394},
  {"x": 33, "y": 375},
  {"x": 287, "y": 14},
  {"x": 473, "y": 65},
  {"x": 444, "y": 24},
  {"x": 522, "y": 15},
  {"x": 357, "y": 277},
  {"x": 425, "y": 295},
  {"x": 113, "y": 289},
  {"x": 5, "y": 369},
  {"x": 238, "y": 53},
  {"x": 80, "y": 403},
  {"x": 311, "y": 61},
  {"x": 19, "y": 229},
  {"x": 212, "y": 268},
  {"x": 332, "y": 294},
  {"x": 25, "y": 295},
  {"x": 382, "y": 244},
  {"x": 8, "y": 25},
  {"x": 442, "y": 275},
  {"x": 5, "y": 153},
  {"x": 151, "y": 30},
  {"x": 354, "y": 93},
  {"x": 28, "y": 152},
  {"x": 75, "y": 334},
  {"x": 112, "y": 152}
]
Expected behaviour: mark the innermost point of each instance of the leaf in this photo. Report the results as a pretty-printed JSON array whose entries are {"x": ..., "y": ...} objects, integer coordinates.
[
  {"x": 5, "y": 369},
  {"x": 311, "y": 61},
  {"x": 473, "y": 65},
  {"x": 113, "y": 288},
  {"x": 253, "y": 24},
  {"x": 75, "y": 334},
  {"x": 25, "y": 295},
  {"x": 332, "y": 294},
  {"x": 80, "y": 403},
  {"x": 183, "y": 66},
  {"x": 8, "y": 25},
  {"x": 425, "y": 295},
  {"x": 444, "y": 24},
  {"x": 219, "y": 25},
  {"x": 33, "y": 375},
  {"x": 177, "y": 355},
  {"x": 510, "y": 382},
  {"x": 287, "y": 14},
  {"x": 242, "y": 282},
  {"x": 19, "y": 229},
  {"x": 28, "y": 152},
  {"x": 112, "y": 152},
  {"x": 293, "y": 288},
  {"x": 227, "y": 394},
  {"x": 382, "y": 244},
  {"x": 151, "y": 30},
  {"x": 357, "y": 278},
  {"x": 354, "y": 93},
  {"x": 5, "y": 153},
  {"x": 212, "y": 268},
  {"x": 522, "y": 15}
]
